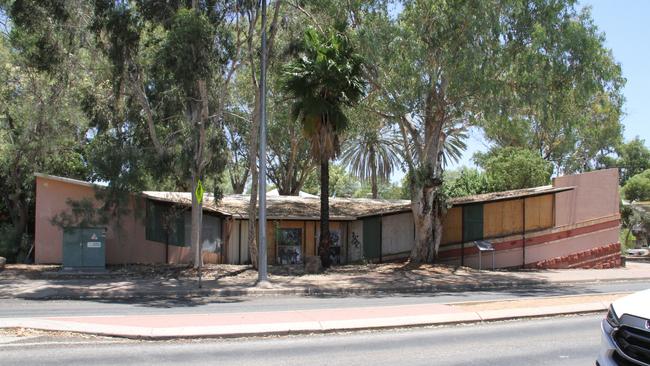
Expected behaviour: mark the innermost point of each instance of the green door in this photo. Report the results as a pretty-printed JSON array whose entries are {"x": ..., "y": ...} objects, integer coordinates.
[
  {"x": 94, "y": 247},
  {"x": 472, "y": 223},
  {"x": 84, "y": 248},
  {"x": 372, "y": 238},
  {"x": 72, "y": 248}
]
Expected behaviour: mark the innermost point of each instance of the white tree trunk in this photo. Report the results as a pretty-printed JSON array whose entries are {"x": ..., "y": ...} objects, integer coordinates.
[{"x": 423, "y": 218}]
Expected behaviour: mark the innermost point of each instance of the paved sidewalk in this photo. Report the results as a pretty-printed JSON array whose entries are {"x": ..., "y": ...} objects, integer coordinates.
[
  {"x": 312, "y": 321},
  {"x": 393, "y": 278}
]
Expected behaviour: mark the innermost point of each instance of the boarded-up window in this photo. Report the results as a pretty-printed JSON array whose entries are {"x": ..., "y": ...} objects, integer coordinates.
[
  {"x": 210, "y": 232},
  {"x": 289, "y": 246},
  {"x": 502, "y": 218},
  {"x": 164, "y": 223},
  {"x": 452, "y": 228},
  {"x": 539, "y": 212}
]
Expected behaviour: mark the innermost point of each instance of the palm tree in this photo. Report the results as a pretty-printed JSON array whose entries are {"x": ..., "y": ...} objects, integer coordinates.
[
  {"x": 325, "y": 77},
  {"x": 453, "y": 146},
  {"x": 372, "y": 154}
]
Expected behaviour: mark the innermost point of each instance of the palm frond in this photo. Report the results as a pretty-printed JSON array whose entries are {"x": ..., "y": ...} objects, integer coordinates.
[{"x": 372, "y": 148}]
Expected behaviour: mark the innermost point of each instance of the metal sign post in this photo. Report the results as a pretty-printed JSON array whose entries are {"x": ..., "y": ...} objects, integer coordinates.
[
  {"x": 262, "y": 270},
  {"x": 484, "y": 246}
]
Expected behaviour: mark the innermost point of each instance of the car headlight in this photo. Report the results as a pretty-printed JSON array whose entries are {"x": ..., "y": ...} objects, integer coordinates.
[{"x": 612, "y": 318}]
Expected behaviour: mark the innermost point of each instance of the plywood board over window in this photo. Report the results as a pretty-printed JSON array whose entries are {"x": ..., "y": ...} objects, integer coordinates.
[
  {"x": 502, "y": 218},
  {"x": 452, "y": 226},
  {"x": 539, "y": 212}
]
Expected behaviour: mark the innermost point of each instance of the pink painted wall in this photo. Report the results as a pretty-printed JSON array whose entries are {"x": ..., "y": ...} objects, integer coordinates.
[
  {"x": 535, "y": 253},
  {"x": 595, "y": 196},
  {"x": 125, "y": 242},
  {"x": 594, "y": 201}
]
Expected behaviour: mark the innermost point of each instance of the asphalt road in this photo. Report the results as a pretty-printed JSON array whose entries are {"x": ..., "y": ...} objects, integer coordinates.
[
  {"x": 34, "y": 308},
  {"x": 555, "y": 341}
]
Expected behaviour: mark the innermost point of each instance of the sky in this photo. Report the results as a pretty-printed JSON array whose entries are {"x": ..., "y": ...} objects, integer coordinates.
[{"x": 627, "y": 34}]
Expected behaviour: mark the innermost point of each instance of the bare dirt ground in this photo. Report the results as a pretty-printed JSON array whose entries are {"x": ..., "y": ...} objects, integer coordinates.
[{"x": 217, "y": 271}]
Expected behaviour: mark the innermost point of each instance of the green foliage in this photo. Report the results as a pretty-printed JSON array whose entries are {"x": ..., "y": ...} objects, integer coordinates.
[
  {"x": 188, "y": 51},
  {"x": 465, "y": 182},
  {"x": 566, "y": 99},
  {"x": 8, "y": 242},
  {"x": 36, "y": 31},
  {"x": 42, "y": 129},
  {"x": 342, "y": 184},
  {"x": 514, "y": 168},
  {"x": 634, "y": 158},
  {"x": 637, "y": 188},
  {"x": 372, "y": 154},
  {"x": 325, "y": 76},
  {"x": 386, "y": 190},
  {"x": 627, "y": 240},
  {"x": 82, "y": 214}
]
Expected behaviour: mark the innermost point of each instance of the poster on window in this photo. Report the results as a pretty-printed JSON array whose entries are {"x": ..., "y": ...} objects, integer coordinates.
[
  {"x": 335, "y": 246},
  {"x": 289, "y": 246}
]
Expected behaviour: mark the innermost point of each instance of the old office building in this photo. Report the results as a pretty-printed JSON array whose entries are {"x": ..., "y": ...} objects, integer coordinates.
[{"x": 572, "y": 223}]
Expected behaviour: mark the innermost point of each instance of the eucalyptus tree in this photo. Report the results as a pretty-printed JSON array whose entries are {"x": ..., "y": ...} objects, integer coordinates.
[
  {"x": 289, "y": 162},
  {"x": 633, "y": 159},
  {"x": 171, "y": 66},
  {"x": 237, "y": 133},
  {"x": 467, "y": 63},
  {"x": 252, "y": 13},
  {"x": 325, "y": 76},
  {"x": 372, "y": 153},
  {"x": 568, "y": 105},
  {"x": 42, "y": 126}
]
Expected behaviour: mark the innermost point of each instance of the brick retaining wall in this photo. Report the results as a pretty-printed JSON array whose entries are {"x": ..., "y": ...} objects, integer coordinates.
[{"x": 608, "y": 256}]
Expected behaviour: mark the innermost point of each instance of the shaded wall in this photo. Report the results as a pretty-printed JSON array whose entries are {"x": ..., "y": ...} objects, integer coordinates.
[
  {"x": 237, "y": 248},
  {"x": 398, "y": 235},
  {"x": 125, "y": 240}
]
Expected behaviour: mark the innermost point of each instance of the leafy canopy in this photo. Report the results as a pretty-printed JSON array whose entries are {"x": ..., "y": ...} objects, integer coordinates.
[
  {"x": 326, "y": 76},
  {"x": 514, "y": 168},
  {"x": 634, "y": 158},
  {"x": 637, "y": 188}
]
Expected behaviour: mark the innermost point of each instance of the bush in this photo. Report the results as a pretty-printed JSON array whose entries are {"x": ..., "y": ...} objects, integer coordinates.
[
  {"x": 509, "y": 168},
  {"x": 627, "y": 240},
  {"x": 8, "y": 247},
  {"x": 12, "y": 247},
  {"x": 637, "y": 188},
  {"x": 465, "y": 182}
]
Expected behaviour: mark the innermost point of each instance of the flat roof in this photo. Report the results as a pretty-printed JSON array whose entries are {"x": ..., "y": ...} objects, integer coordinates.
[
  {"x": 308, "y": 208},
  {"x": 508, "y": 195},
  {"x": 287, "y": 207}
]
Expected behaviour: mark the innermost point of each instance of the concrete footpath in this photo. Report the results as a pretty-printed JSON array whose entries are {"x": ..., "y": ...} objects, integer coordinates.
[
  {"x": 158, "y": 327},
  {"x": 343, "y": 280}
]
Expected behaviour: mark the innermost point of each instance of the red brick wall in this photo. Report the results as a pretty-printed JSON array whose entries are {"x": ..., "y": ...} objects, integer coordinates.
[{"x": 608, "y": 256}]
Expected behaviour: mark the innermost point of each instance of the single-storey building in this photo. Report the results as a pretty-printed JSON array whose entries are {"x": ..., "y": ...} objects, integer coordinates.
[{"x": 572, "y": 223}]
